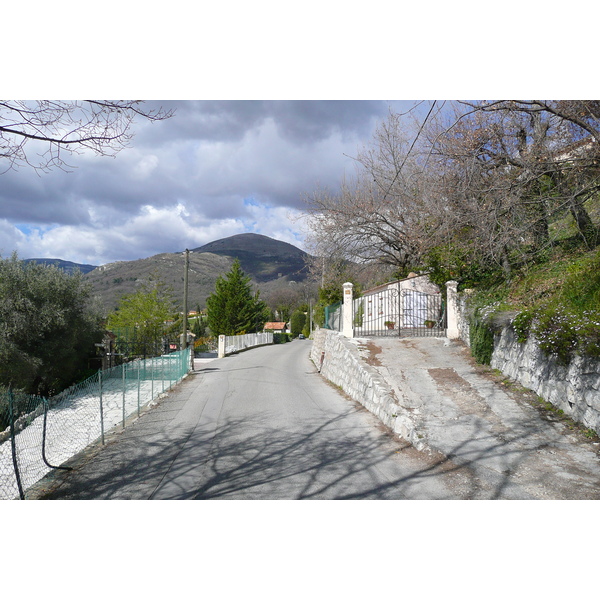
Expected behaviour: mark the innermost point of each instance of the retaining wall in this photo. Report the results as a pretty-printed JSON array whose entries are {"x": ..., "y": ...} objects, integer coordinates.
[
  {"x": 340, "y": 361},
  {"x": 575, "y": 389}
]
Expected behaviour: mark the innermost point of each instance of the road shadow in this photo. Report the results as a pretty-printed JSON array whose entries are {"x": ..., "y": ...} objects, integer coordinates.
[
  {"x": 333, "y": 457},
  {"x": 252, "y": 460}
]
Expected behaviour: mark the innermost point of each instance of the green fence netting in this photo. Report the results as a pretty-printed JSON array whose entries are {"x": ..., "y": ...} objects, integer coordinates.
[
  {"x": 333, "y": 318},
  {"x": 39, "y": 434}
]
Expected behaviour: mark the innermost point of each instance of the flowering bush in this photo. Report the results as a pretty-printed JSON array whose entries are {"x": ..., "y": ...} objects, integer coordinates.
[
  {"x": 522, "y": 325},
  {"x": 205, "y": 344},
  {"x": 556, "y": 333},
  {"x": 560, "y": 332}
]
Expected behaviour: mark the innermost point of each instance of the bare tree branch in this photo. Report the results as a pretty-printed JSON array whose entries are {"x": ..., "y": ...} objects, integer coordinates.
[{"x": 102, "y": 126}]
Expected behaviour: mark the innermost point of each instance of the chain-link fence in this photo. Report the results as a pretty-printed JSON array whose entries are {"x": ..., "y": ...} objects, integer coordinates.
[
  {"x": 333, "y": 317},
  {"x": 38, "y": 434}
]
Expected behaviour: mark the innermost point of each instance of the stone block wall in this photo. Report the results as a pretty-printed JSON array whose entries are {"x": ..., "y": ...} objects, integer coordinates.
[
  {"x": 575, "y": 389},
  {"x": 340, "y": 361}
]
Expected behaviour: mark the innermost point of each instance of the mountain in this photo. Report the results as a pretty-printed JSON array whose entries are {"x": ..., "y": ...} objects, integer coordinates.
[
  {"x": 271, "y": 264},
  {"x": 65, "y": 265},
  {"x": 261, "y": 257}
]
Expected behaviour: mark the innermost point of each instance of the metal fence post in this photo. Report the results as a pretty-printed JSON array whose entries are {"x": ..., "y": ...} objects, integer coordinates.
[
  {"x": 13, "y": 442},
  {"x": 138, "y": 378},
  {"x": 123, "y": 395},
  {"x": 45, "y": 401},
  {"x": 101, "y": 409}
]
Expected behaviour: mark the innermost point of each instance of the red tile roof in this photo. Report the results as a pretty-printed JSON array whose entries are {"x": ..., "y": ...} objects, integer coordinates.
[{"x": 275, "y": 325}]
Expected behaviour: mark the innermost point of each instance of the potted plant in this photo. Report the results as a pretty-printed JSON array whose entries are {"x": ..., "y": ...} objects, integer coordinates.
[
  {"x": 429, "y": 324},
  {"x": 389, "y": 324}
]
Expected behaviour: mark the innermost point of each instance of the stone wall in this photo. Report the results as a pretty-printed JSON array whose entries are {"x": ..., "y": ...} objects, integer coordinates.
[
  {"x": 575, "y": 389},
  {"x": 339, "y": 360}
]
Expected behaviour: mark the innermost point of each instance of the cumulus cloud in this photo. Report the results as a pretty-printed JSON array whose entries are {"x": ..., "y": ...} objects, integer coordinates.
[
  {"x": 214, "y": 169},
  {"x": 152, "y": 231}
]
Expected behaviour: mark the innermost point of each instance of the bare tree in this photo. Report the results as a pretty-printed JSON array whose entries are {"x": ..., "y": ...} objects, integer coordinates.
[
  {"x": 554, "y": 145},
  {"x": 382, "y": 214},
  {"x": 284, "y": 300},
  {"x": 507, "y": 169},
  {"x": 482, "y": 183},
  {"x": 57, "y": 128}
]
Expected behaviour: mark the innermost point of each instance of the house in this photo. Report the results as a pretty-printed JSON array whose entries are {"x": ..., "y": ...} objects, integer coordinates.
[{"x": 275, "y": 326}]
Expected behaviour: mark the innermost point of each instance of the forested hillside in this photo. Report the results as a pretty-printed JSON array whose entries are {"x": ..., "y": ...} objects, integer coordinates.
[{"x": 271, "y": 265}]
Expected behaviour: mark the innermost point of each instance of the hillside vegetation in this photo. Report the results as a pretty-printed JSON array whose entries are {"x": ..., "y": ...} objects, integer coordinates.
[
  {"x": 113, "y": 281},
  {"x": 556, "y": 297},
  {"x": 271, "y": 265}
]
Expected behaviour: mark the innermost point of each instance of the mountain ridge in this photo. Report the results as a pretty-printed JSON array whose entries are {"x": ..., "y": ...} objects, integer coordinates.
[
  {"x": 65, "y": 265},
  {"x": 260, "y": 256},
  {"x": 269, "y": 263}
]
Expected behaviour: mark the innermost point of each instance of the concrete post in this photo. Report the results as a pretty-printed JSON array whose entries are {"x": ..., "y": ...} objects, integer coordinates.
[
  {"x": 347, "y": 313},
  {"x": 452, "y": 331},
  {"x": 221, "y": 353}
]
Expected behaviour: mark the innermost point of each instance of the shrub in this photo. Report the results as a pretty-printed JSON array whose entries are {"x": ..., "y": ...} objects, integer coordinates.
[
  {"x": 522, "y": 325},
  {"x": 306, "y": 329},
  {"x": 560, "y": 332},
  {"x": 481, "y": 338},
  {"x": 49, "y": 325},
  {"x": 556, "y": 333}
]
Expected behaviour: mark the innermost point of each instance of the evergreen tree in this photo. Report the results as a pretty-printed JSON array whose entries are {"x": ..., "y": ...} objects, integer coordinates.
[
  {"x": 198, "y": 328},
  {"x": 232, "y": 308},
  {"x": 297, "y": 322}
]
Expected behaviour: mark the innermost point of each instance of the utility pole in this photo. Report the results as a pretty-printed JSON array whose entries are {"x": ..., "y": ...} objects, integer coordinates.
[{"x": 185, "y": 300}]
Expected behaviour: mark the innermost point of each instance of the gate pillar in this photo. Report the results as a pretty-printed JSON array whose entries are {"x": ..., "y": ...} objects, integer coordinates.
[
  {"x": 452, "y": 330},
  {"x": 347, "y": 312}
]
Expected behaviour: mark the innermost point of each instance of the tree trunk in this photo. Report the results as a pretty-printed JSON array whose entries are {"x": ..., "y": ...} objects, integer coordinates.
[{"x": 588, "y": 231}]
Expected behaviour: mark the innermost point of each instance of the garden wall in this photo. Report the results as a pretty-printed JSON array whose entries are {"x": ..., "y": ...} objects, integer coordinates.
[
  {"x": 574, "y": 388},
  {"x": 339, "y": 360}
]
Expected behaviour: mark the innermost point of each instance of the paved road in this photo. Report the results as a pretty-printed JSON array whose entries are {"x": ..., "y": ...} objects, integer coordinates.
[{"x": 262, "y": 424}]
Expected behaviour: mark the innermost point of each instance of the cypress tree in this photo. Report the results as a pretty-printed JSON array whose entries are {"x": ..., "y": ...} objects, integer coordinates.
[{"x": 232, "y": 308}]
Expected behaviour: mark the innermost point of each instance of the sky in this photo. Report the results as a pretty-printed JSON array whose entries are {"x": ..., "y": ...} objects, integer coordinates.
[
  {"x": 214, "y": 169},
  {"x": 267, "y": 110}
]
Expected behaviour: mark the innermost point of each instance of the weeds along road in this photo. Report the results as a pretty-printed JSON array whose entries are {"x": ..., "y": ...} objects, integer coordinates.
[{"x": 262, "y": 424}]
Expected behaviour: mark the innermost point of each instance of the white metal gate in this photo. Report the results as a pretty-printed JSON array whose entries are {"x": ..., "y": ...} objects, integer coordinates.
[{"x": 394, "y": 311}]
